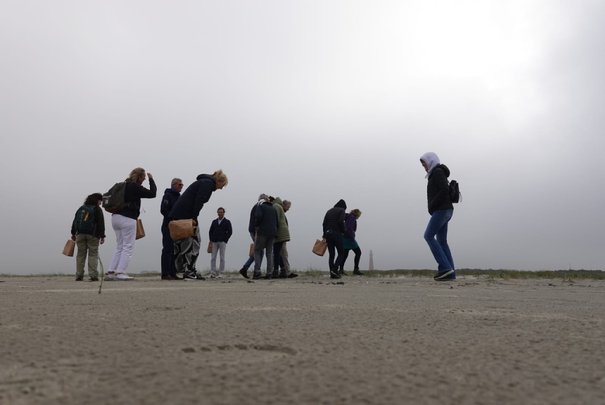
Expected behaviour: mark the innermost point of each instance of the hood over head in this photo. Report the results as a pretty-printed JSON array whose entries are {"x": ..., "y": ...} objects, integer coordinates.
[
  {"x": 341, "y": 204},
  {"x": 432, "y": 161}
]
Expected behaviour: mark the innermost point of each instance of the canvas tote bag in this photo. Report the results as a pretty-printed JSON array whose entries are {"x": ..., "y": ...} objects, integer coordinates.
[
  {"x": 68, "y": 249},
  {"x": 140, "y": 229},
  {"x": 181, "y": 228},
  {"x": 320, "y": 246}
]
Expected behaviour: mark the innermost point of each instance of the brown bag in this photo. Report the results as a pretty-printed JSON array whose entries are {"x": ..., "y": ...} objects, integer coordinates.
[
  {"x": 181, "y": 229},
  {"x": 320, "y": 246},
  {"x": 68, "y": 249},
  {"x": 209, "y": 249},
  {"x": 140, "y": 229},
  {"x": 251, "y": 250}
]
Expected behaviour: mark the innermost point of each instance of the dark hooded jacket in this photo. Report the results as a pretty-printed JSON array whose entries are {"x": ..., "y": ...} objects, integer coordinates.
[
  {"x": 437, "y": 189},
  {"x": 334, "y": 221},
  {"x": 190, "y": 203}
]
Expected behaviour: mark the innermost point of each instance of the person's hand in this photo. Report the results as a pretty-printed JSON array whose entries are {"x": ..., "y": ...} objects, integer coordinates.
[
  {"x": 73, "y": 237},
  {"x": 102, "y": 240},
  {"x": 150, "y": 176}
]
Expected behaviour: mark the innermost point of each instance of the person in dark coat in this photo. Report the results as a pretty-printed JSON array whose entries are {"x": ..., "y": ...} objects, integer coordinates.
[
  {"x": 170, "y": 196},
  {"x": 188, "y": 206},
  {"x": 252, "y": 231},
  {"x": 219, "y": 233},
  {"x": 441, "y": 209},
  {"x": 333, "y": 231},
  {"x": 265, "y": 222}
]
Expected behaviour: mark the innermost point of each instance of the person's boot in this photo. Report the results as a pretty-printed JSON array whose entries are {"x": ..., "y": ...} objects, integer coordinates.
[{"x": 356, "y": 272}]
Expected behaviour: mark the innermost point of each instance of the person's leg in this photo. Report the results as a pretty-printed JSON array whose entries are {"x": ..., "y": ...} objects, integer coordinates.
[
  {"x": 331, "y": 251},
  {"x": 222, "y": 246},
  {"x": 345, "y": 255},
  {"x": 438, "y": 220},
  {"x": 93, "y": 257},
  {"x": 128, "y": 227},
  {"x": 81, "y": 256},
  {"x": 115, "y": 260},
  {"x": 357, "y": 252},
  {"x": 167, "y": 253},
  {"x": 442, "y": 240},
  {"x": 180, "y": 247},
  {"x": 339, "y": 250},
  {"x": 259, "y": 246},
  {"x": 276, "y": 256},
  {"x": 213, "y": 258},
  {"x": 269, "y": 253}
]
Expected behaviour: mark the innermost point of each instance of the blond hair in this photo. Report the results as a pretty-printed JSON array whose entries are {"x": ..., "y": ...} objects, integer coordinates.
[
  {"x": 137, "y": 175},
  {"x": 220, "y": 178},
  {"x": 355, "y": 212}
]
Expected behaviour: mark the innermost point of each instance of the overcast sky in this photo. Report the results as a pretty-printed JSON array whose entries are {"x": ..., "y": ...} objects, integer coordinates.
[{"x": 311, "y": 101}]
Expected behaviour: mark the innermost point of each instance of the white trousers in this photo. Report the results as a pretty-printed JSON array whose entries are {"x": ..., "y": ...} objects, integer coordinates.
[
  {"x": 218, "y": 247},
  {"x": 125, "y": 229}
]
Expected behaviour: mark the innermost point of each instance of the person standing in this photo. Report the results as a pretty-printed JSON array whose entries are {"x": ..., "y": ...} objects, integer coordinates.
[
  {"x": 124, "y": 222},
  {"x": 282, "y": 236},
  {"x": 188, "y": 206},
  {"x": 284, "y": 259},
  {"x": 333, "y": 230},
  {"x": 252, "y": 231},
  {"x": 170, "y": 196},
  {"x": 219, "y": 234},
  {"x": 88, "y": 231},
  {"x": 265, "y": 220},
  {"x": 441, "y": 209},
  {"x": 350, "y": 243}
]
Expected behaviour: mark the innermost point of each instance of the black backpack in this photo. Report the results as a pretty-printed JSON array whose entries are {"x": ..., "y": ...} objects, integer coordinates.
[
  {"x": 85, "y": 220},
  {"x": 455, "y": 195},
  {"x": 114, "y": 199}
]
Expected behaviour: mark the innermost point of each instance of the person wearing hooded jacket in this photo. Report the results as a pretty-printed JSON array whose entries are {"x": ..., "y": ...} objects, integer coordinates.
[
  {"x": 188, "y": 206},
  {"x": 333, "y": 231},
  {"x": 441, "y": 209}
]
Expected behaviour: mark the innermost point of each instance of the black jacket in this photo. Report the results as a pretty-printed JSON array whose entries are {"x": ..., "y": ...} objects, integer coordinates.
[
  {"x": 222, "y": 232},
  {"x": 437, "y": 189},
  {"x": 265, "y": 219},
  {"x": 189, "y": 205},
  {"x": 133, "y": 194},
  {"x": 334, "y": 220},
  {"x": 170, "y": 197}
]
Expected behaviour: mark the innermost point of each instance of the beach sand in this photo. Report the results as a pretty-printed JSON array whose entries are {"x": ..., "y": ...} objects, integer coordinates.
[{"x": 366, "y": 340}]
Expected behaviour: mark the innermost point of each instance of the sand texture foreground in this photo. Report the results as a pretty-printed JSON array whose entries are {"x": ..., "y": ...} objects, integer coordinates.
[{"x": 366, "y": 340}]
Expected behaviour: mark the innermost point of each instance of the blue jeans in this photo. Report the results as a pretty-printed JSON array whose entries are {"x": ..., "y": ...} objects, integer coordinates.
[{"x": 436, "y": 236}]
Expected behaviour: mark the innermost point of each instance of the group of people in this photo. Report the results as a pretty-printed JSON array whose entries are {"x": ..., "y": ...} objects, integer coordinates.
[
  {"x": 269, "y": 231},
  {"x": 268, "y": 228}
]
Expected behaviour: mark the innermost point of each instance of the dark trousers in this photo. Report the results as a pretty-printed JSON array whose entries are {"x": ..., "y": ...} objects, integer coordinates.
[
  {"x": 277, "y": 260},
  {"x": 168, "y": 267},
  {"x": 357, "y": 252},
  {"x": 334, "y": 241}
]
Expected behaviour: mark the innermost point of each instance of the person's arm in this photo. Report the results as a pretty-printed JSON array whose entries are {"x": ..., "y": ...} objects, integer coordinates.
[
  {"x": 211, "y": 230},
  {"x": 229, "y": 231},
  {"x": 142, "y": 192}
]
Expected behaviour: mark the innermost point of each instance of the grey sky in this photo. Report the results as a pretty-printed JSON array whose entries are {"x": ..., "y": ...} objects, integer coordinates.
[{"x": 311, "y": 101}]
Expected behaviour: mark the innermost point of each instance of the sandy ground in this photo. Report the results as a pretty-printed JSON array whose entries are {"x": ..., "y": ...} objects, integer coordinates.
[{"x": 308, "y": 340}]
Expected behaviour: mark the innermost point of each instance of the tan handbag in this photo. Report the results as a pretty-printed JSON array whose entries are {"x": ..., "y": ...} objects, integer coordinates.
[
  {"x": 320, "y": 246},
  {"x": 140, "y": 229},
  {"x": 68, "y": 249},
  {"x": 209, "y": 249},
  {"x": 181, "y": 229},
  {"x": 251, "y": 250}
]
